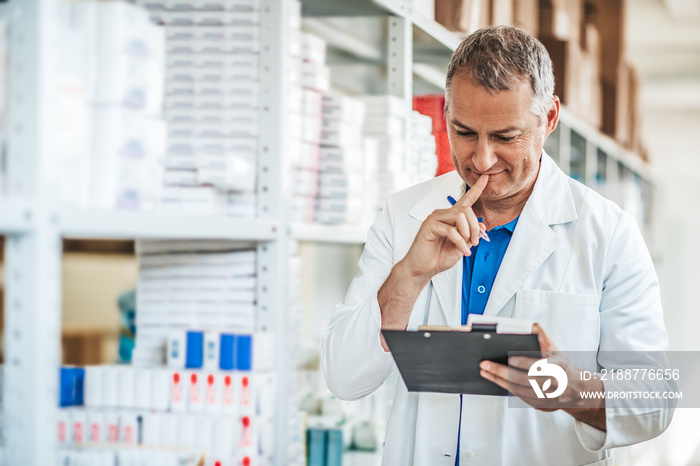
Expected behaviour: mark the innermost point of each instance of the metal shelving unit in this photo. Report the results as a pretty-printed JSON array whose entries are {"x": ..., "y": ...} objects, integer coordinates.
[{"x": 34, "y": 225}]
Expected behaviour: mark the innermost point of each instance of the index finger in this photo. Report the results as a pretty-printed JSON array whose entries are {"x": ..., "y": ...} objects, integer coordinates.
[{"x": 470, "y": 197}]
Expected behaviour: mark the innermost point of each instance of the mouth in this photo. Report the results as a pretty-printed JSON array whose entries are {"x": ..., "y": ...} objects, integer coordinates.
[{"x": 490, "y": 174}]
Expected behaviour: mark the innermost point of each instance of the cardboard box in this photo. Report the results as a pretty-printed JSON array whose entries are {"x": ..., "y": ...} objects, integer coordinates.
[
  {"x": 526, "y": 16},
  {"x": 565, "y": 56},
  {"x": 608, "y": 18},
  {"x": 560, "y": 19},
  {"x": 464, "y": 16},
  {"x": 627, "y": 117},
  {"x": 590, "y": 91},
  {"x": 590, "y": 97},
  {"x": 502, "y": 12}
]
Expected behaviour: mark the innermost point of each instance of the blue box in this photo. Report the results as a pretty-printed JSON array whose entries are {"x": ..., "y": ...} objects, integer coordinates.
[
  {"x": 71, "y": 386},
  {"x": 316, "y": 447},
  {"x": 244, "y": 352},
  {"x": 334, "y": 447},
  {"x": 195, "y": 350},
  {"x": 227, "y": 352}
]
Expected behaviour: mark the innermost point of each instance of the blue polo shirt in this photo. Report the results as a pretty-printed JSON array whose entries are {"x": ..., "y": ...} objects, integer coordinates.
[{"x": 480, "y": 271}]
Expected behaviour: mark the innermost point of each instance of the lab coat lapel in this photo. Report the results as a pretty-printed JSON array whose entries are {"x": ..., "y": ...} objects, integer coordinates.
[
  {"x": 447, "y": 284},
  {"x": 448, "y": 289},
  {"x": 533, "y": 240}
]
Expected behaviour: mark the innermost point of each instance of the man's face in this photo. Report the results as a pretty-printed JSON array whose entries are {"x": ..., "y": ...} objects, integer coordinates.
[{"x": 498, "y": 135}]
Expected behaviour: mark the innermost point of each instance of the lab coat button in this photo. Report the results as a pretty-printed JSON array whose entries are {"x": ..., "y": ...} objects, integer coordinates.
[{"x": 467, "y": 456}]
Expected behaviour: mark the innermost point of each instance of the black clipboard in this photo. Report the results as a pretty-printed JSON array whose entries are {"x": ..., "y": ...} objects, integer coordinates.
[{"x": 447, "y": 361}]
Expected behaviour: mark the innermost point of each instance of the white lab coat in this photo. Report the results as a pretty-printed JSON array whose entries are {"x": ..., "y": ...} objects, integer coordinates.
[{"x": 576, "y": 263}]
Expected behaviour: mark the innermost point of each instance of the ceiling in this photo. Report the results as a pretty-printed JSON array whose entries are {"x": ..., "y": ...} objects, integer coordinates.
[{"x": 663, "y": 42}]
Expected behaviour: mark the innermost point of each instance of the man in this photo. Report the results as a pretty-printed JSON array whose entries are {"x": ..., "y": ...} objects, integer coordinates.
[{"x": 559, "y": 254}]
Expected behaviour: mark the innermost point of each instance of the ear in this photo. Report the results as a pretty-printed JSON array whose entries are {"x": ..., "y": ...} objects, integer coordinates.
[{"x": 552, "y": 116}]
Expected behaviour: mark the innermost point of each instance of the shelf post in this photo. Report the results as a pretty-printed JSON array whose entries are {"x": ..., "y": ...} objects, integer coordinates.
[
  {"x": 33, "y": 259},
  {"x": 400, "y": 67},
  {"x": 273, "y": 256}
]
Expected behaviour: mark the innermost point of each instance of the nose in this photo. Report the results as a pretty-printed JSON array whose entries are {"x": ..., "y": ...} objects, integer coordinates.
[{"x": 485, "y": 156}]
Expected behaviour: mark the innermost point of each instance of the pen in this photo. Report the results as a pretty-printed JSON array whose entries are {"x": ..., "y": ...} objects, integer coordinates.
[{"x": 482, "y": 233}]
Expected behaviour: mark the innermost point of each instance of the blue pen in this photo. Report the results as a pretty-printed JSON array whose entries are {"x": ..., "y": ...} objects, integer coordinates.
[{"x": 482, "y": 233}]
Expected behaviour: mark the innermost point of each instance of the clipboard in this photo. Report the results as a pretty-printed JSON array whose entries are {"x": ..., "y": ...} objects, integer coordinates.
[{"x": 442, "y": 360}]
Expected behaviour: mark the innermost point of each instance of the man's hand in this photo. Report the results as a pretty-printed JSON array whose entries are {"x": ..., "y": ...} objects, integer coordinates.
[
  {"x": 444, "y": 237},
  {"x": 514, "y": 378}
]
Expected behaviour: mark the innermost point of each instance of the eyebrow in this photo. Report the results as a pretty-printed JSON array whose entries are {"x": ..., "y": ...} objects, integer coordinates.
[{"x": 499, "y": 131}]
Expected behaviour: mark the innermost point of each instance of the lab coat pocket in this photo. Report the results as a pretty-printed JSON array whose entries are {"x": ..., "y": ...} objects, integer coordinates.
[{"x": 571, "y": 320}]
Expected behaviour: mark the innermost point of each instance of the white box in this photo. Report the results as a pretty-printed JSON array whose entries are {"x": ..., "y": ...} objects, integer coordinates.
[
  {"x": 206, "y": 18},
  {"x": 316, "y": 76},
  {"x": 129, "y": 82},
  {"x": 96, "y": 427},
  {"x": 93, "y": 386},
  {"x": 112, "y": 422},
  {"x": 386, "y": 104},
  {"x": 126, "y": 390},
  {"x": 204, "y": 434},
  {"x": 64, "y": 429},
  {"x": 160, "y": 389},
  {"x": 128, "y": 427},
  {"x": 179, "y": 391},
  {"x": 238, "y": 33},
  {"x": 110, "y": 384},
  {"x": 151, "y": 426},
  {"x": 343, "y": 108},
  {"x": 246, "y": 393},
  {"x": 142, "y": 388},
  {"x": 313, "y": 48},
  {"x": 213, "y": 392},
  {"x": 195, "y": 391},
  {"x": 176, "y": 177},
  {"x": 177, "y": 348},
  {"x": 211, "y": 351},
  {"x": 225, "y": 434},
  {"x": 295, "y": 99},
  {"x": 187, "y": 431},
  {"x": 170, "y": 429},
  {"x": 348, "y": 136},
  {"x": 229, "y": 393},
  {"x": 220, "y": 46}
]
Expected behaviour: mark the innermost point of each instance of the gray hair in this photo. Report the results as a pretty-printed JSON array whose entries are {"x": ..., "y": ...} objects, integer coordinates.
[{"x": 499, "y": 58}]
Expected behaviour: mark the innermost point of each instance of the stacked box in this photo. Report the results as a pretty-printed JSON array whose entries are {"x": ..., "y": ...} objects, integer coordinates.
[
  {"x": 433, "y": 105},
  {"x": 211, "y": 105},
  {"x": 463, "y": 16},
  {"x": 341, "y": 195},
  {"x": 105, "y": 130},
  {"x": 128, "y": 140},
  {"x": 422, "y": 157},
  {"x": 191, "y": 288},
  {"x": 222, "y": 415},
  {"x": 386, "y": 121},
  {"x": 309, "y": 79}
]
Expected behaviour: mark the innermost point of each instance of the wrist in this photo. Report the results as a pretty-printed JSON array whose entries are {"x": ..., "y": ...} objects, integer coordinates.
[{"x": 404, "y": 272}]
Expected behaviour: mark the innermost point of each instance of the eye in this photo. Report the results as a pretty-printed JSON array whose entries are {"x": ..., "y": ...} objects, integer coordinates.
[
  {"x": 465, "y": 134},
  {"x": 505, "y": 138}
]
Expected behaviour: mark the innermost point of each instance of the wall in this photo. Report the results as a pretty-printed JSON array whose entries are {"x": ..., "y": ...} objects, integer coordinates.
[{"x": 91, "y": 284}]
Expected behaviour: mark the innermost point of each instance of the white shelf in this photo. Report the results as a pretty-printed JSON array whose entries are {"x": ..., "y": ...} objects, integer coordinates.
[
  {"x": 435, "y": 30},
  {"x": 110, "y": 224},
  {"x": 339, "y": 234},
  {"x": 15, "y": 216},
  {"x": 607, "y": 144}
]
